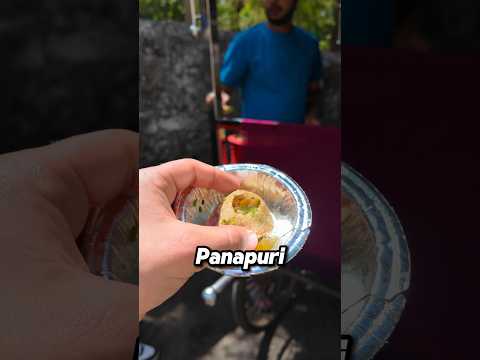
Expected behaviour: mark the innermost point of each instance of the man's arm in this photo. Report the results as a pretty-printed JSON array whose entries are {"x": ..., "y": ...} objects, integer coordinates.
[
  {"x": 233, "y": 72},
  {"x": 226, "y": 94},
  {"x": 314, "y": 87},
  {"x": 313, "y": 103}
]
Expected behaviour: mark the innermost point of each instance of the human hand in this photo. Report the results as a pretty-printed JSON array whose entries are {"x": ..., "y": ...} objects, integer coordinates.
[
  {"x": 167, "y": 246},
  {"x": 312, "y": 120},
  {"x": 52, "y": 306},
  {"x": 226, "y": 107}
]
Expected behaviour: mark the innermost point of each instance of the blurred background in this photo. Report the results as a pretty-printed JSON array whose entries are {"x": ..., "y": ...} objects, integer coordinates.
[{"x": 67, "y": 67}]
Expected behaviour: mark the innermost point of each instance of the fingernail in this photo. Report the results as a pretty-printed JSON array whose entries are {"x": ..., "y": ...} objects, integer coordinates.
[{"x": 250, "y": 241}]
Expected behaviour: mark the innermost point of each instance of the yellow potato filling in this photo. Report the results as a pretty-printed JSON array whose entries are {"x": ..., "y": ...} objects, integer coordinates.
[{"x": 247, "y": 209}]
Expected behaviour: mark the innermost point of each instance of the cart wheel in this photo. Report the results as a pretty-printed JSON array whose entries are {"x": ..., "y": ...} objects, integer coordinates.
[{"x": 260, "y": 301}]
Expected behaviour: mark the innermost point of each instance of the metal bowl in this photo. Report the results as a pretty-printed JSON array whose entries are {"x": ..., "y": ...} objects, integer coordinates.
[
  {"x": 109, "y": 242},
  {"x": 284, "y": 197},
  {"x": 375, "y": 265}
]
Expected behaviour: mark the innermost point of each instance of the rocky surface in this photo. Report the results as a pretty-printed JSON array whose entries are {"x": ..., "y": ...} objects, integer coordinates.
[{"x": 175, "y": 77}]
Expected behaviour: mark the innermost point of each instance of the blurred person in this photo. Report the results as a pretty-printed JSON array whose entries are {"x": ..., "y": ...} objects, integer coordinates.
[{"x": 277, "y": 66}]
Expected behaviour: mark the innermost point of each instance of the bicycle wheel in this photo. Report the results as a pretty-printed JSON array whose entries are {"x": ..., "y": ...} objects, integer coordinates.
[{"x": 260, "y": 301}]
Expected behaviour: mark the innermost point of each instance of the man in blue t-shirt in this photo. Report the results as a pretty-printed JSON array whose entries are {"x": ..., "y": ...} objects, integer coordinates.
[{"x": 277, "y": 66}]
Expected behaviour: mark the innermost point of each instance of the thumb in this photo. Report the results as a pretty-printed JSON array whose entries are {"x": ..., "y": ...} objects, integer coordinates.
[
  {"x": 224, "y": 237},
  {"x": 208, "y": 98}
]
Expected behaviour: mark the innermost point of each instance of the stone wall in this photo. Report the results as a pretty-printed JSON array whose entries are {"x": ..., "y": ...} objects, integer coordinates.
[{"x": 175, "y": 77}]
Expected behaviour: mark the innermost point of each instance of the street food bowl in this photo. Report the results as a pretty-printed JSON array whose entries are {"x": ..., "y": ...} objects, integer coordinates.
[
  {"x": 375, "y": 266},
  {"x": 286, "y": 200}
]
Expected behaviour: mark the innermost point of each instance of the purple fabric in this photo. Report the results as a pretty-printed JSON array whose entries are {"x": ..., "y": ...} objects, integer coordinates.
[{"x": 403, "y": 117}]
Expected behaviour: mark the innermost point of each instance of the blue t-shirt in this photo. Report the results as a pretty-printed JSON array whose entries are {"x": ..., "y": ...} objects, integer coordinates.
[{"x": 273, "y": 71}]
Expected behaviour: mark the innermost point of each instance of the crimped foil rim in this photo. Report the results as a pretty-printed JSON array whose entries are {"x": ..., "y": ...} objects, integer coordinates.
[{"x": 387, "y": 299}]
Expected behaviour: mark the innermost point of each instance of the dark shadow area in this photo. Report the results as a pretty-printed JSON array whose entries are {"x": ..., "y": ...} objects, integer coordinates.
[
  {"x": 185, "y": 328},
  {"x": 269, "y": 334},
  {"x": 68, "y": 67},
  {"x": 407, "y": 127}
]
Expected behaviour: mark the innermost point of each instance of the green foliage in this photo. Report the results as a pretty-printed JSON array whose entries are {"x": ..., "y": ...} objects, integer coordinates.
[
  {"x": 315, "y": 16},
  {"x": 162, "y": 9},
  {"x": 318, "y": 17}
]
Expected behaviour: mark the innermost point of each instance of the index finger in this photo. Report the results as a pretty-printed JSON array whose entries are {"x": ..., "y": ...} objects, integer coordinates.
[{"x": 176, "y": 176}]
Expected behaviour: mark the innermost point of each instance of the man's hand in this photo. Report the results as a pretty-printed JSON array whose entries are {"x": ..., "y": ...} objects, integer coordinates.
[
  {"x": 167, "y": 246},
  {"x": 52, "y": 306},
  {"x": 226, "y": 107},
  {"x": 312, "y": 119}
]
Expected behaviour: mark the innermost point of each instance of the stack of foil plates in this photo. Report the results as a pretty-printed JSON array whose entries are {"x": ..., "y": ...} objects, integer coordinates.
[{"x": 375, "y": 265}]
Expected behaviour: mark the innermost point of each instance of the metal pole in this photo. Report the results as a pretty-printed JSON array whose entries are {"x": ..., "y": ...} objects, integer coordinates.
[
  {"x": 339, "y": 24},
  {"x": 214, "y": 48},
  {"x": 211, "y": 293}
]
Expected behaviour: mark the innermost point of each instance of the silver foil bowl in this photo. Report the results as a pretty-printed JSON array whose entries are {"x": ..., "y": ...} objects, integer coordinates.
[
  {"x": 284, "y": 197},
  {"x": 375, "y": 266},
  {"x": 109, "y": 242}
]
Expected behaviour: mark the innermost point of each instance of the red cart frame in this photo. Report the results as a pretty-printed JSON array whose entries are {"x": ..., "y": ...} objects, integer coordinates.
[{"x": 311, "y": 156}]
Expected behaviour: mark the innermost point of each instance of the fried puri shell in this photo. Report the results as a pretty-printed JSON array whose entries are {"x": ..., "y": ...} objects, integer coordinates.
[{"x": 247, "y": 209}]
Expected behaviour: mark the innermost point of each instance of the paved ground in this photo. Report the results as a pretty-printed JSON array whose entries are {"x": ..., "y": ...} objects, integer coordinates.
[{"x": 185, "y": 329}]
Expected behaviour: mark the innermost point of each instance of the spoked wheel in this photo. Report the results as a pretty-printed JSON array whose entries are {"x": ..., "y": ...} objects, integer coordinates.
[{"x": 260, "y": 300}]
